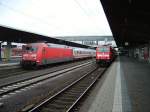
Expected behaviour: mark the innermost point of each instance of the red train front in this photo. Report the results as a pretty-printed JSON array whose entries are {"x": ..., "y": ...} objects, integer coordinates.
[
  {"x": 36, "y": 54},
  {"x": 105, "y": 54}
]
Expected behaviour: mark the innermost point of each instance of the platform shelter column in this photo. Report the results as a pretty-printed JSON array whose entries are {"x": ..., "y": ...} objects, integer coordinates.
[
  {"x": 0, "y": 52},
  {"x": 96, "y": 42},
  {"x": 7, "y": 52}
]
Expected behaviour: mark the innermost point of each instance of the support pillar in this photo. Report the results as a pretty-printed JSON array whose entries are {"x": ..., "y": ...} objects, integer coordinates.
[
  {"x": 149, "y": 51},
  {"x": 82, "y": 42},
  {"x": 96, "y": 42},
  {"x": 0, "y": 52},
  {"x": 7, "y": 52}
]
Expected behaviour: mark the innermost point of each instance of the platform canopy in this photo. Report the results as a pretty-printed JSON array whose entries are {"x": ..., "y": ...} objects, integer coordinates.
[
  {"x": 87, "y": 38},
  {"x": 18, "y": 36},
  {"x": 129, "y": 21}
]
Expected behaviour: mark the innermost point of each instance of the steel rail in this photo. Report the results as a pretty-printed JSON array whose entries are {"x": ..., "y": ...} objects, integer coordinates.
[
  {"x": 39, "y": 107},
  {"x": 19, "y": 85}
]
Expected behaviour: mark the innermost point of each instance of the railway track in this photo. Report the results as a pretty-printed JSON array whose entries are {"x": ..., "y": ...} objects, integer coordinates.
[
  {"x": 67, "y": 98},
  {"x": 22, "y": 75},
  {"x": 11, "y": 72},
  {"x": 15, "y": 70},
  {"x": 11, "y": 88},
  {"x": 11, "y": 66}
]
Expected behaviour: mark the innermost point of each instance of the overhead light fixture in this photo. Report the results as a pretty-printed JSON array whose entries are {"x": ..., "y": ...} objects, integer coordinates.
[{"x": 126, "y": 43}]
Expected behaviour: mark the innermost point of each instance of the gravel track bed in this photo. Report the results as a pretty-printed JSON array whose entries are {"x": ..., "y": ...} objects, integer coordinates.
[
  {"x": 8, "y": 71},
  {"x": 64, "y": 101},
  {"x": 36, "y": 73},
  {"x": 11, "y": 72},
  {"x": 34, "y": 95},
  {"x": 9, "y": 66}
]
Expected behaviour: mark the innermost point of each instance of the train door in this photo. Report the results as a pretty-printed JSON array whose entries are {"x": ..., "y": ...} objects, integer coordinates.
[{"x": 44, "y": 60}]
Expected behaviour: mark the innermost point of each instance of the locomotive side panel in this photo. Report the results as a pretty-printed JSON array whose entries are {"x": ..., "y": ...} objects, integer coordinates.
[{"x": 54, "y": 55}]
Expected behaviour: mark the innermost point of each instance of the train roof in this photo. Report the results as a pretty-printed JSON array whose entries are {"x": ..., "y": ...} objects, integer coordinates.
[
  {"x": 57, "y": 46},
  {"x": 105, "y": 46}
]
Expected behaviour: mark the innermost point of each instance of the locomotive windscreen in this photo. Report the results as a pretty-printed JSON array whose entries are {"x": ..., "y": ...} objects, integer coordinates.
[
  {"x": 30, "y": 48},
  {"x": 103, "y": 49}
]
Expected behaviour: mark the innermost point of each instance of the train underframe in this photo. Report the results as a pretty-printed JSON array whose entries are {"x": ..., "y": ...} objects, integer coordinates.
[
  {"x": 28, "y": 64},
  {"x": 103, "y": 62}
]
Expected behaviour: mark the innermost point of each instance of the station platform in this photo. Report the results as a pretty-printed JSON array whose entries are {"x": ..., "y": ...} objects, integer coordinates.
[
  {"x": 9, "y": 63},
  {"x": 123, "y": 88}
]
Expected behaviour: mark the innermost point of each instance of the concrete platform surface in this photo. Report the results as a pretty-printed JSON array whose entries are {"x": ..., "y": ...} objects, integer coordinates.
[
  {"x": 136, "y": 76},
  {"x": 101, "y": 98},
  {"x": 123, "y": 88},
  {"x": 9, "y": 63}
]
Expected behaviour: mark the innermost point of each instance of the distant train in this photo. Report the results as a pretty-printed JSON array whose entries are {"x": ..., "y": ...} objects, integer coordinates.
[
  {"x": 36, "y": 54},
  {"x": 14, "y": 53},
  {"x": 105, "y": 54}
]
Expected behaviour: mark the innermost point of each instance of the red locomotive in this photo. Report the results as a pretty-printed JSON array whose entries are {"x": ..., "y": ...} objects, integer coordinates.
[
  {"x": 105, "y": 54},
  {"x": 36, "y": 54}
]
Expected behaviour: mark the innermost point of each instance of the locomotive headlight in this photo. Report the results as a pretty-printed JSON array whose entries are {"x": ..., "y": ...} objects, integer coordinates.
[
  {"x": 99, "y": 55},
  {"x": 106, "y": 55},
  {"x": 33, "y": 56},
  {"x": 24, "y": 56}
]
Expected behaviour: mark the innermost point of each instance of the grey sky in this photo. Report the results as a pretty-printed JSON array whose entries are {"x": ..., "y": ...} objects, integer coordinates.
[{"x": 55, "y": 17}]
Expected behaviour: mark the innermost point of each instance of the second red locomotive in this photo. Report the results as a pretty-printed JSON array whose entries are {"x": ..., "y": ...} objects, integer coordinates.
[{"x": 105, "y": 54}]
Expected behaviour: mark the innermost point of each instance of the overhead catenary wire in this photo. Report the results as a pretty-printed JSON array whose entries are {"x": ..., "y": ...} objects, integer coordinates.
[
  {"x": 4, "y": 5},
  {"x": 86, "y": 13}
]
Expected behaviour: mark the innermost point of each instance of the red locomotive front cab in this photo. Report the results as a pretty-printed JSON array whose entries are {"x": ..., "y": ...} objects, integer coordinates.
[
  {"x": 32, "y": 54},
  {"x": 104, "y": 54},
  {"x": 37, "y": 54}
]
